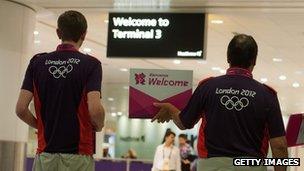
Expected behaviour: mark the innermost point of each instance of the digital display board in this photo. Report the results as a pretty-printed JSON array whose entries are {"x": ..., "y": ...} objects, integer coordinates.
[{"x": 157, "y": 35}]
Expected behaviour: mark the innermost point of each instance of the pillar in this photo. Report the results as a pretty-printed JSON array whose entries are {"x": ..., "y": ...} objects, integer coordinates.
[{"x": 16, "y": 48}]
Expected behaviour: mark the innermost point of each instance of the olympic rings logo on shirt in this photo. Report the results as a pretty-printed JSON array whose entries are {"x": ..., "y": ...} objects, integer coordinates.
[
  {"x": 234, "y": 102},
  {"x": 62, "y": 71}
]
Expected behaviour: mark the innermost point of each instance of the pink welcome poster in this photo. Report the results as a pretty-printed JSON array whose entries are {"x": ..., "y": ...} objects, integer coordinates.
[
  {"x": 154, "y": 85},
  {"x": 295, "y": 130}
]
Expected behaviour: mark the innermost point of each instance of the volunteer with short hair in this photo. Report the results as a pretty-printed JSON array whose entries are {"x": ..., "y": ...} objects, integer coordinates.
[
  {"x": 66, "y": 86},
  {"x": 240, "y": 116}
]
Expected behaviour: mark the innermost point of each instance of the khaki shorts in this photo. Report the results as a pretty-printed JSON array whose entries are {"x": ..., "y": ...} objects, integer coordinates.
[
  {"x": 224, "y": 164},
  {"x": 63, "y": 162}
]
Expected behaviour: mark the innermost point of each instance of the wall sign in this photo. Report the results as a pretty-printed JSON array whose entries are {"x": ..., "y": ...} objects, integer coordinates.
[{"x": 169, "y": 35}]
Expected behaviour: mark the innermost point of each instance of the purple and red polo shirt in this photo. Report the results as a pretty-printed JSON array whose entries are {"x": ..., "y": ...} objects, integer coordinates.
[
  {"x": 60, "y": 81},
  {"x": 238, "y": 113}
]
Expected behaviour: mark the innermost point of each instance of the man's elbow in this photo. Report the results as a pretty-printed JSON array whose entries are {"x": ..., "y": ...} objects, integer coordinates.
[
  {"x": 281, "y": 147},
  {"x": 97, "y": 123},
  {"x": 99, "y": 128},
  {"x": 97, "y": 119},
  {"x": 279, "y": 152},
  {"x": 20, "y": 111},
  {"x": 96, "y": 115},
  {"x": 279, "y": 143}
]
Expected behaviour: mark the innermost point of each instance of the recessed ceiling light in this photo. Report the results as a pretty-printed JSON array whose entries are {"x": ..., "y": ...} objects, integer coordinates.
[
  {"x": 296, "y": 85},
  {"x": 282, "y": 77},
  {"x": 264, "y": 80},
  {"x": 36, "y": 32},
  {"x": 202, "y": 62},
  {"x": 37, "y": 41},
  {"x": 216, "y": 68},
  {"x": 217, "y": 21},
  {"x": 123, "y": 69},
  {"x": 222, "y": 71},
  {"x": 111, "y": 99},
  {"x": 87, "y": 49},
  {"x": 106, "y": 21},
  {"x": 277, "y": 59},
  {"x": 119, "y": 113},
  {"x": 176, "y": 61},
  {"x": 113, "y": 114}
]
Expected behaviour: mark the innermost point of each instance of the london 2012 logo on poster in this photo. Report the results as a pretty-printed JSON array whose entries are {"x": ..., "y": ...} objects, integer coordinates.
[{"x": 140, "y": 78}]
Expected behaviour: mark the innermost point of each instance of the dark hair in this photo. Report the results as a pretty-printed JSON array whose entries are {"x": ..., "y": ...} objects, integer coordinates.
[
  {"x": 242, "y": 51},
  {"x": 71, "y": 24},
  {"x": 184, "y": 136},
  {"x": 167, "y": 134}
]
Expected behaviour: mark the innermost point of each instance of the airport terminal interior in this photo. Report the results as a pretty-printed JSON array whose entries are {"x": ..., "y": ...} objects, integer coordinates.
[{"x": 29, "y": 27}]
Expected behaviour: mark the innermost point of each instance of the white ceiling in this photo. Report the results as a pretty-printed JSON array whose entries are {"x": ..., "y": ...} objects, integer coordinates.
[
  {"x": 277, "y": 26},
  {"x": 157, "y": 4}
]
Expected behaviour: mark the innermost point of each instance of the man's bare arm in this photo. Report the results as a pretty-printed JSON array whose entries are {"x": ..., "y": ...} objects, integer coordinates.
[
  {"x": 279, "y": 150},
  {"x": 96, "y": 110},
  {"x": 22, "y": 109}
]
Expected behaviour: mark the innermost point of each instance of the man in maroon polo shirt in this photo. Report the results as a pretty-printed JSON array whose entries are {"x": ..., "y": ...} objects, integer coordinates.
[
  {"x": 66, "y": 87},
  {"x": 240, "y": 116}
]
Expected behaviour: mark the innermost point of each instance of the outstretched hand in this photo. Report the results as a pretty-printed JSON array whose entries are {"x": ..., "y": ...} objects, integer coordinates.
[{"x": 165, "y": 112}]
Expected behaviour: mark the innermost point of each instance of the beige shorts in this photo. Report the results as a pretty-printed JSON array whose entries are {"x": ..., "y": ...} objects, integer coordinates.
[
  {"x": 224, "y": 164},
  {"x": 63, "y": 162}
]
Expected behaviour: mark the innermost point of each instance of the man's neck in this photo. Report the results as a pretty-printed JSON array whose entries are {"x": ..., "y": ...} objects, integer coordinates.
[
  {"x": 250, "y": 68},
  {"x": 76, "y": 45}
]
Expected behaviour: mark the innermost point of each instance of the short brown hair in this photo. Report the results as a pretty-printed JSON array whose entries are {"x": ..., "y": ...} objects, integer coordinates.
[
  {"x": 242, "y": 51},
  {"x": 72, "y": 24}
]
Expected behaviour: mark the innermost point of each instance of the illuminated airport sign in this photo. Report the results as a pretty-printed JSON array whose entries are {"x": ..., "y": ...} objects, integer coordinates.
[{"x": 156, "y": 35}]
